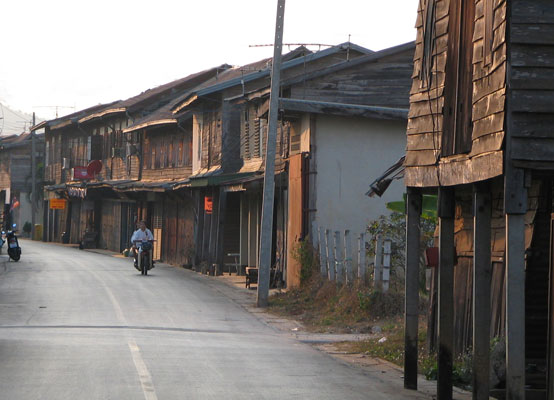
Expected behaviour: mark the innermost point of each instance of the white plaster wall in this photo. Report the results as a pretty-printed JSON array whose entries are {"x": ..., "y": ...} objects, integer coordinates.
[{"x": 350, "y": 154}]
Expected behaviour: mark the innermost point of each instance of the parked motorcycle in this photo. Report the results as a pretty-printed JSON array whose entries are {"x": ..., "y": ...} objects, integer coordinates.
[
  {"x": 2, "y": 241},
  {"x": 14, "y": 251},
  {"x": 144, "y": 260}
]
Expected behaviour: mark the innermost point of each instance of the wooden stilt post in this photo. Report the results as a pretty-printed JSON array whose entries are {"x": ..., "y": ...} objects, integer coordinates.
[
  {"x": 446, "y": 292},
  {"x": 411, "y": 313},
  {"x": 515, "y": 306},
  {"x": 482, "y": 273},
  {"x": 515, "y": 207}
]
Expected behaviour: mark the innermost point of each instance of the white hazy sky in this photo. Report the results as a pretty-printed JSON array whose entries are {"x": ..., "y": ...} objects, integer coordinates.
[{"x": 81, "y": 53}]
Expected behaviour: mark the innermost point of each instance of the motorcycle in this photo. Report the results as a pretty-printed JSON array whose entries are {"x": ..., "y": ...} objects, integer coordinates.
[
  {"x": 2, "y": 241},
  {"x": 14, "y": 251},
  {"x": 144, "y": 260}
]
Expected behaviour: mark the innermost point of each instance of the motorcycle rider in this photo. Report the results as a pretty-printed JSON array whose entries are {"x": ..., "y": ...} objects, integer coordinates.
[{"x": 142, "y": 234}]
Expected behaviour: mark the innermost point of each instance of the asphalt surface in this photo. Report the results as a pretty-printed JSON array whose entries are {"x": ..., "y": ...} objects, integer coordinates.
[{"x": 79, "y": 325}]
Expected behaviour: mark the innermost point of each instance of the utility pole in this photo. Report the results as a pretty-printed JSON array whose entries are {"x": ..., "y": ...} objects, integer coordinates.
[
  {"x": 33, "y": 180},
  {"x": 269, "y": 175}
]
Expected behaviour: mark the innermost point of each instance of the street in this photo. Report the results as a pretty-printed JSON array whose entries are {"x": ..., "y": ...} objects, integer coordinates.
[{"x": 80, "y": 325}]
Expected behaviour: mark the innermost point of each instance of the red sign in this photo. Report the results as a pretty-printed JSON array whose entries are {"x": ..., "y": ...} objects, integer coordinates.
[
  {"x": 81, "y": 173},
  {"x": 208, "y": 204}
]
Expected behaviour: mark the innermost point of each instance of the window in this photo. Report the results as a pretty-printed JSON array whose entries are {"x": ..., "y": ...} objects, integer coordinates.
[
  {"x": 457, "y": 125},
  {"x": 147, "y": 154},
  {"x": 47, "y": 156},
  {"x": 96, "y": 147}
]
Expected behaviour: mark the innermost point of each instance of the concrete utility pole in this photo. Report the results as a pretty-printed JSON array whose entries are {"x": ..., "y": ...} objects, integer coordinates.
[
  {"x": 33, "y": 180},
  {"x": 269, "y": 175}
]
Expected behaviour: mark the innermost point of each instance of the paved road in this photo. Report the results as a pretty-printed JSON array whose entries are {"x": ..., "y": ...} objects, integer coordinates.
[{"x": 79, "y": 325}]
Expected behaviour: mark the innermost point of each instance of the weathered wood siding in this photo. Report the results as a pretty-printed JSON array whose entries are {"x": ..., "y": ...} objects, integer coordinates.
[
  {"x": 167, "y": 154},
  {"x": 253, "y": 130},
  {"x": 532, "y": 83},
  {"x": 425, "y": 125},
  {"x": 385, "y": 82}
]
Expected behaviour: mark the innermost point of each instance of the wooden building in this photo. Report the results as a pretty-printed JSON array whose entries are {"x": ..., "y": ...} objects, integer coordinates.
[
  {"x": 336, "y": 119},
  {"x": 480, "y": 133},
  {"x": 104, "y": 206},
  {"x": 228, "y": 149}
]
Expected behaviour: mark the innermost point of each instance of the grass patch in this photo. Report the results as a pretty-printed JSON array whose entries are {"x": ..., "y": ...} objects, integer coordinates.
[{"x": 322, "y": 306}]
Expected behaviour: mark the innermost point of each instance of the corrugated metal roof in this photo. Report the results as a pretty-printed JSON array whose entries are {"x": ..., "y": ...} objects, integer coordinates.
[{"x": 246, "y": 73}]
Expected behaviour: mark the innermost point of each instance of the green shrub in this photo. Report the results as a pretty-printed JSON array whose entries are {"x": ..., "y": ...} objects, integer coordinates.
[{"x": 305, "y": 254}]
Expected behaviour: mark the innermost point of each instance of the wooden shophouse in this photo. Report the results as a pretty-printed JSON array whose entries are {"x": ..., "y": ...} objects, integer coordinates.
[
  {"x": 166, "y": 162},
  {"x": 227, "y": 172},
  {"x": 335, "y": 120},
  {"x": 481, "y": 134},
  {"x": 92, "y": 157}
]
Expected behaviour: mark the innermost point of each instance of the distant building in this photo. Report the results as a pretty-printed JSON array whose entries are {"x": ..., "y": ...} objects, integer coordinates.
[{"x": 15, "y": 178}]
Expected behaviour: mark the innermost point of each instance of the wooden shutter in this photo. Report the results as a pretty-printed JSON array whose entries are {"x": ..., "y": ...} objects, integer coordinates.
[{"x": 257, "y": 140}]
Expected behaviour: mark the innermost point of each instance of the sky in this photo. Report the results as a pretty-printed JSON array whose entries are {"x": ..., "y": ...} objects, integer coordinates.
[{"x": 75, "y": 54}]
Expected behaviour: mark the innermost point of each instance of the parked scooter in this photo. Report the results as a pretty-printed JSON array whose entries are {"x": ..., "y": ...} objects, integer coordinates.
[
  {"x": 14, "y": 251},
  {"x": 144, "y": 261}
]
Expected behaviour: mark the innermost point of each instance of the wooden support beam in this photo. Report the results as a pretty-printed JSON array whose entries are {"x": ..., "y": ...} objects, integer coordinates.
[
  {"x": 515, "y": 207},
  {"x": 515, "y": 306},
  {"x": 446, "y": 292},
  {"x": 411, "y": 310},
  {"x": 482, "y": 273}
]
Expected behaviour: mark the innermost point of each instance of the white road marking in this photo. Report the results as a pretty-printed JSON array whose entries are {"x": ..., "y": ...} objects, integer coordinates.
[{"x": 143, "y": 373}]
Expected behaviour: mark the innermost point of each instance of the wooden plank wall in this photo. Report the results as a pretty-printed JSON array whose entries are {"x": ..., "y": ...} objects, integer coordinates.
[
  {"x": 211, "y": 138},
  {"x": 532, "y": 94},
  {"x": 253, "y": 129},
  {"x": 463, "y": 273},
  {"x": 295, "y": 213},
  {"x": 176, "y": 162},
  {"x": 385, "y": 82},
  {"x": 178, "y": 231},
  {"x": 424, "y": 133}
]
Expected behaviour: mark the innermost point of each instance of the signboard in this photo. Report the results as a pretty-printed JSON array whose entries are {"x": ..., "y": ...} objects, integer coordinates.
[
  {"x": 57, "y": 204},
  {"x": 208, "y": 204},
  {"x": 81, "y": 173},
  {"x": 77, "y": 192}
]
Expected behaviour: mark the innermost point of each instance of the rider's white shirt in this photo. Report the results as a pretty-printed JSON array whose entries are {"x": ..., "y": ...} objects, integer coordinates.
[{"x": 141, "y": 235}]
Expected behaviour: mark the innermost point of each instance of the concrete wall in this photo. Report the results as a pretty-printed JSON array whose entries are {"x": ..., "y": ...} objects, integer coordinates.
[{"x": 350, "y": 154}]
